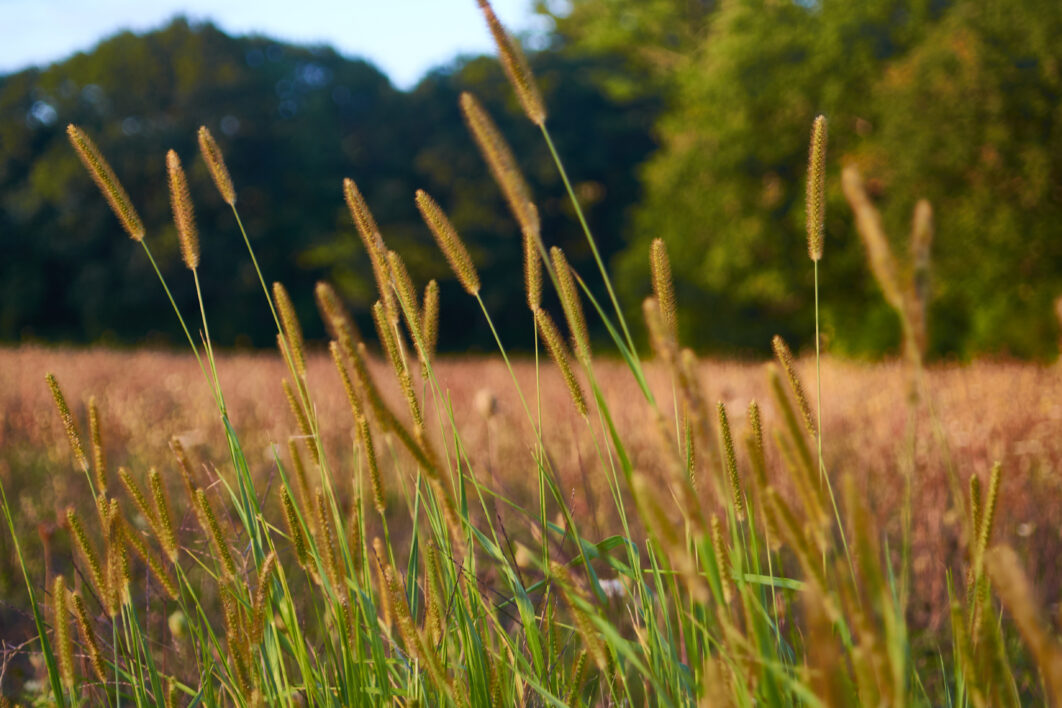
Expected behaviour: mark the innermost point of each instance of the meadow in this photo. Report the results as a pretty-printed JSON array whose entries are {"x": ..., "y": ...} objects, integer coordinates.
[{"x": 599, "y": 523}]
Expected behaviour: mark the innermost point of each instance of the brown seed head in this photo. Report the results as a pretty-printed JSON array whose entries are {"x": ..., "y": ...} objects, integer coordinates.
[
  {"x": 92, "y": 645},
  {"x": 559, "y": 353},
  {"x": 816, "y": 188},
  {"x": 663, "y": 285},
  {"x": 430, "y": 318},
  {"x": 183, "y": 215},
  {"x": 67, "y": 419},
  {"x": 449, "y": 242},
  {"x": 573, "y": 309},
  {"x": 61, "y": 625},
  {"x": 102, "y": 174},
  {"x": 736, "y": 495},
  {"x": 215, "y": 162},
  {"x": 369, "y": 452},
  {"x": 785, "y": 358},
  {"x": 515, "y": 65},
  {"x": 868, "y": 223},
  {"x": 502, "y": 164},
  {"x": 292, "y": 328},
  {"x": 333, "y": 314},
  {"x": 363, "y": 218},
  {"x": 533, "y": 269},
  {"x": 99, "y": 459}
]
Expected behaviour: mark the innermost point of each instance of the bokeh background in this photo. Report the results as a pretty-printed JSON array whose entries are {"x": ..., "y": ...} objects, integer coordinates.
[{"x": 681, "y": 119}]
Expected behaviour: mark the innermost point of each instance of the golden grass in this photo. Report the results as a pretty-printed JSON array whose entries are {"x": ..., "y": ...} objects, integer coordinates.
[{"x": 987, "y": 410}]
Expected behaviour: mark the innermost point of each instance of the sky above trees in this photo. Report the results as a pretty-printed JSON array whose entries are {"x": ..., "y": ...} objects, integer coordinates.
[{"x": 405, "y": 38}]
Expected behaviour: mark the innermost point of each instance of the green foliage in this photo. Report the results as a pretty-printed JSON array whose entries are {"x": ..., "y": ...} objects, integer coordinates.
[
  {"x": 956, "y": 102},
  {"x": 292, "y": 122}
]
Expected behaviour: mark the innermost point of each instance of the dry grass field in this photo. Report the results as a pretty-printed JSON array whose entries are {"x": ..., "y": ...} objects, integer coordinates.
[{"x": 986, "y": 411}]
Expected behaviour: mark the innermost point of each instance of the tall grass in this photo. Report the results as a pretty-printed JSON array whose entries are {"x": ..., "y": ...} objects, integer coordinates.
[{"x": 732, "y": 582}]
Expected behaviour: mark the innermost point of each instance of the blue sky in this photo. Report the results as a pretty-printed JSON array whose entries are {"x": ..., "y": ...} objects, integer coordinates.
[{"x": 404, "y": 38}]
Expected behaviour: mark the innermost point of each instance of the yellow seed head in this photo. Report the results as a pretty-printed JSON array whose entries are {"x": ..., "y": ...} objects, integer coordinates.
[
  {"x": 215, "y": 162},
  {"x": 261, "y": 597},
  {"x": 168, "y": 536},
  {"x": 407, "y": 298},
  {"x": 533, "y": 269},
  {"x": 88, "y": 553},
  {"x": 384, "y": 595},
  {"x": 333, "y": 314},
  {"x": 785, "y": 358},
  {"x": 975, "y": 507},
  {"x": 327, "y": 545},
  {"x": 736, "y": 495},
  {"x": 92, "y": 645},
  {"x": 573, "y": 309},
  {"x": 559, "y": 353},
  {"x": 303, "y": 423},
  {"x": 816, "y": 188},
  {"x": 390, "y": 343},
  {"x": 99, "y": 459},
  {"x": 295, "y": 531},
  {"x": 101, "y": 173},
  {"x": 61, "y": 625},
  {"x": 344, "y": 377},
  {"x": 363, "y": 218},
  {"x": 154, "y": 562},
  {"x": 369, "y": 452},
  {"x": 430, "y": 318},
  {"x": 989, "y": 515},
  {"x": 449, "y": 242},
  {"x": 209, "y": 521},
  {"x": 118, "y": 577},
  {"x": 183, "y": 215},
  {"x": 722, "y": 557},
  {"x": 69, "y": 425},
  {"x": 663, "y": 285},
  {"x": 754, "y": 442},
  {"x": 515, "y": 65},
  {"x": 502, "y": 164},
  {"x": 292, "y": 328},
  {"x": 184, "y": 467}
]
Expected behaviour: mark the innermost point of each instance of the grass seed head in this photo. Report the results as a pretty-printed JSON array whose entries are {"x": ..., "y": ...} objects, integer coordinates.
[
  {"x": 663, "y": 285},
  {"x": 785, "y": 358},
  {"x": 515, "y": 65},
  {"x": 559, "y": 353},
  {"x": 69, "y": 426},
  {"x": 61, "y": 625},
  {"x": 102, "y": 174},
  {"x": 449, "y": 242},
  {"x": 816, "y": 188},
  {"x": 215, "y": 163},
  {"x": 333, "y": 314},
  {"x": 369, "y": 452},
  {"x": 292, "y": 329},
  {"x": 502, "y": 164},
  {"x": 430, "y": 318},
  {"x": 183, "y": 214},
  {"x": 362, "y": 216},
  {"x": 209, "y": 521},
  {"x": 295, "y": 530},
  {"x": 88, "y": 637},
  {"x": 573, "y": 309},
  {"x": 532, "y": 271},
  {"x": 99, "y": 458}
]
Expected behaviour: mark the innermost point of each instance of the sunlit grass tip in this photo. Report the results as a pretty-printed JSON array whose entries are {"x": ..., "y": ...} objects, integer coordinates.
[
  {"x": 183, "y": 213},
  {"x": 103, "y": 175},
  {"x": 215, "y": 163},
  {"x": 449, "y": 242},
  {"x": 502, "y": 164},
  {"x": 515, "y": 65},
  {"x": 816, "y": 189}
]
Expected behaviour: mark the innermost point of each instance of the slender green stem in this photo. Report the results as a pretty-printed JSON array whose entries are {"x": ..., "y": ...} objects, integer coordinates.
[{"x": 589, "y": 238}]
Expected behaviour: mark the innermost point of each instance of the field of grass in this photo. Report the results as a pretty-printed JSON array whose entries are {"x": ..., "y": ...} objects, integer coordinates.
[
  {"x": 591, "y": 527},
  {"x": 986, "y": 411}
]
